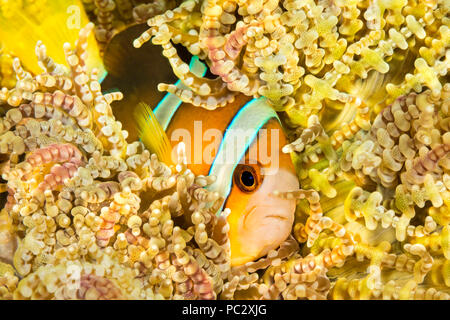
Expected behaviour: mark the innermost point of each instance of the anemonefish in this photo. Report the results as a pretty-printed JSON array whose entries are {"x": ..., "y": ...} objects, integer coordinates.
[
  {"x": 246, "y": 175},
  {"x": 240, "y": 144}
]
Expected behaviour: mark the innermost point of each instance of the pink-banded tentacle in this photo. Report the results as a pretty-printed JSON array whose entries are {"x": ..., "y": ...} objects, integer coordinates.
[
  {"x": 314, "y": 225},
  {"x": 93, "y": 287},
  {"x": 10, "y": 200},
  {"x": 426, "y": 164},
  {"x": 326, "y": 259},
  {"x": 131, "y": 238},
  {"x": 109, "y": 220},
  {"x": 67, "y": 154},
  {"x": 55, "y": 153},
  {"x": 124, "y": 204},
  {"x": 136, "y": 240},
  {"x": 224, "y": 68},
  {"x": 129, "y": 179},
  {"x": 222, "y": 65},
  {"x": 110, "y": 188},
  {"x": 71, "y": 104},
  {"x": 203, "y": 286},
  {"x": 125, "y": 175},
  {"x": 58, "y": 175},
  {"x": 338, "y": 230},
  {"x": 237, "y": 40}
]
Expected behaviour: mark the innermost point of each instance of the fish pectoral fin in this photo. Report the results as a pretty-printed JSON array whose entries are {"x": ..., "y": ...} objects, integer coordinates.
[{"x": 152, "y": 134}]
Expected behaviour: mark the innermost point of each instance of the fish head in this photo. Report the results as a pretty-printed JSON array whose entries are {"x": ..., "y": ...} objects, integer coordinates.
[{"x": 259, "y": 221}]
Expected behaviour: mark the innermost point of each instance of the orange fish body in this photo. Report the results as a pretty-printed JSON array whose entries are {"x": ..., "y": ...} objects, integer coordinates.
[
  {"x": 190, "y": 118},
  {"x": 259, "y": 221}
]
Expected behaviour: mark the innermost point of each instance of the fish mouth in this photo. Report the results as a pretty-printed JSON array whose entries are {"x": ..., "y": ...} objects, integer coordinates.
[
  {"x": 276, "y": 216},
  {"x": 273, "y": 215}
]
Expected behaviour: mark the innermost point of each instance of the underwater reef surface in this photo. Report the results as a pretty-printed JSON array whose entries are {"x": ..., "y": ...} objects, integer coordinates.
[{"x": 361, "y": 90}]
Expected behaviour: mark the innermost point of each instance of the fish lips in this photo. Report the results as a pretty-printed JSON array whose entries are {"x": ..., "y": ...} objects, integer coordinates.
[{"x": 265, "y": 227}]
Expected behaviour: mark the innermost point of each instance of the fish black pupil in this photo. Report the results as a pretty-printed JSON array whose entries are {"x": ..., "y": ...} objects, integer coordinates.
[{"x": 247, "y": 178}]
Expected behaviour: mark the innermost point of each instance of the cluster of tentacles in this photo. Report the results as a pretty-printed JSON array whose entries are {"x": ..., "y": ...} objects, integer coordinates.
[
  {"x": 90, "y": 208},
  {"x": 89, "y": 215},
  {"x": 388, "y": 186},
  {"x": 112, "y": 16},
  {"x": 365, "y": 99},
  {"x": 305, "y": 56}
]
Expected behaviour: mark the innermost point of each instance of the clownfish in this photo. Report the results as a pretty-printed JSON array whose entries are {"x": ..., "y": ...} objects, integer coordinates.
[
  {"x": 246, "y": 175},
  {"x": 240, "y": 143}
]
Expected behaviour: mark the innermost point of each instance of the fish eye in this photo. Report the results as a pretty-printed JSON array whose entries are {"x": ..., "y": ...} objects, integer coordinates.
[{"x": 246, "y": 178}]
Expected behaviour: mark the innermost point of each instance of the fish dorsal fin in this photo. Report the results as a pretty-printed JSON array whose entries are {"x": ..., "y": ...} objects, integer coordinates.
[
  {"x": 22, "y": 25},
  {"x": 152, "y": 134},
  {"x": 167, "y": 107}
]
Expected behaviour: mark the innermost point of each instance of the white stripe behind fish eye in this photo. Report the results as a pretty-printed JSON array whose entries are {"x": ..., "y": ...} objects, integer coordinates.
[
  {"x": 241, "y": 132},
  {"x": 167, "y": 107}
]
